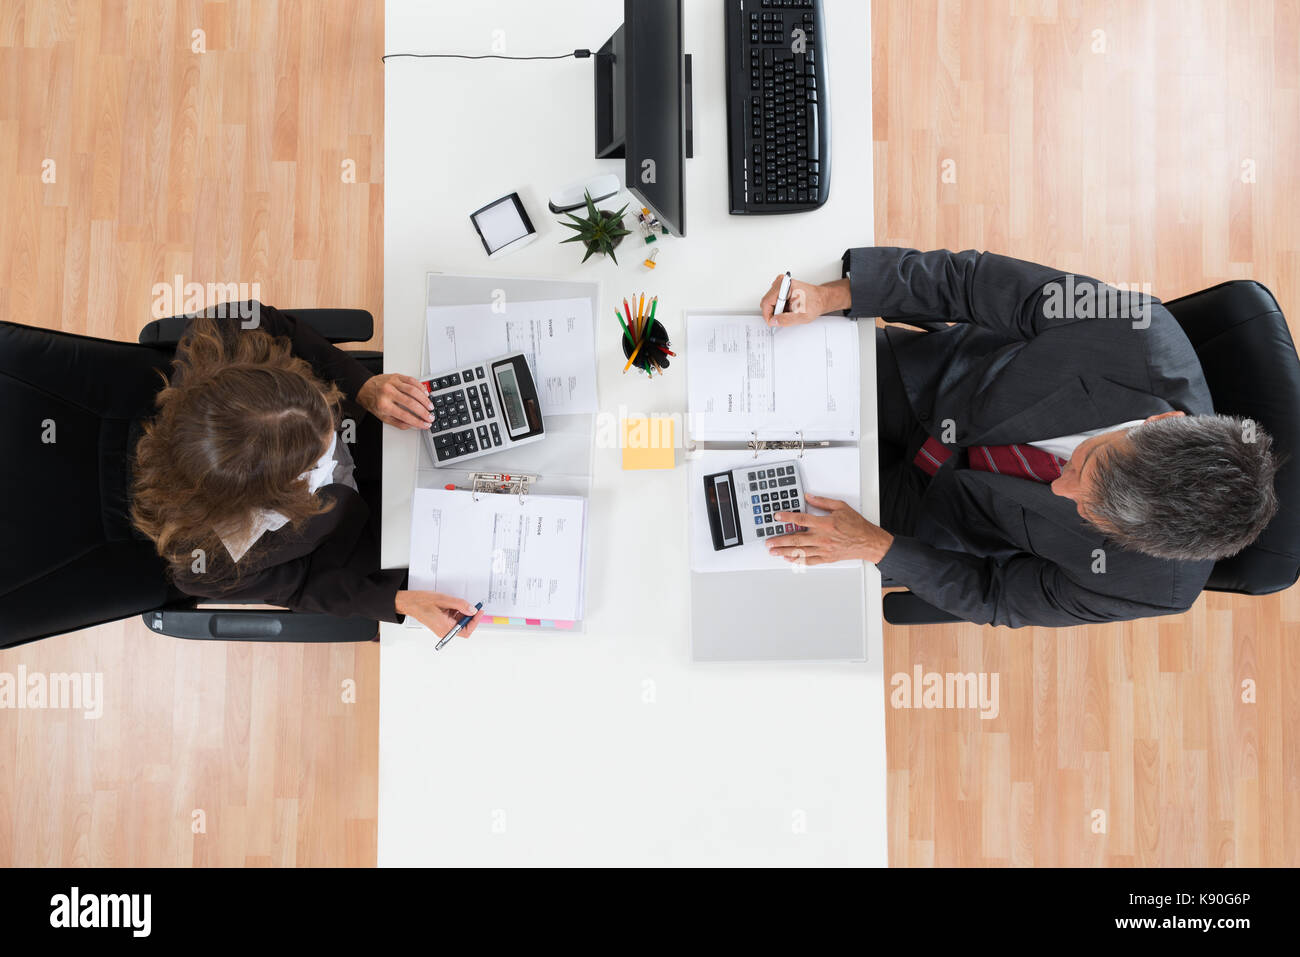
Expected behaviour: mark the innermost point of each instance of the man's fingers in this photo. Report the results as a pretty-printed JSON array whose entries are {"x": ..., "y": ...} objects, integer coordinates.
[
  {"x": 768, "y": 304},
  {"x": 828, "y": 504},
  {"x": 801, "y": 540},
  {"x": 796, "y": 553},
  {"x": 806, "y": 519}
]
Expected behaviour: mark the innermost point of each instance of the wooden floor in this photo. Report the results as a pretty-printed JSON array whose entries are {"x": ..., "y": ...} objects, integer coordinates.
[
  {"x": 1124, "y": 164},
  {"x": 228, "y": 166},
  {"x": 220, "y": 166}
]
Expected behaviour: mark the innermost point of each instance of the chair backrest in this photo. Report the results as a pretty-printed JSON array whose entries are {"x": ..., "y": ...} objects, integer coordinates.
[
  {"x": 71, "y": 557},
  {"x": 1251, "y": 368}
]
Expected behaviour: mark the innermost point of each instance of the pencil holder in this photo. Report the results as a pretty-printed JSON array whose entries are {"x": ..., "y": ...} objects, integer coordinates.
[{"x": 655, "y": 349}]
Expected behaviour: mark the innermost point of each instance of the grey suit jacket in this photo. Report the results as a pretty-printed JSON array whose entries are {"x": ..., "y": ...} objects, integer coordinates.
[{"x": 1036, "y": 353}]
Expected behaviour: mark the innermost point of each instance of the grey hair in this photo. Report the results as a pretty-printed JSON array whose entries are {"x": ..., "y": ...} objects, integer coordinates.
[{"x": 1188, "y": 487}]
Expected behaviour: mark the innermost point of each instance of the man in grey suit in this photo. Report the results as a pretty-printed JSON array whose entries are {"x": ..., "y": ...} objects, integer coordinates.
[{"x": 1053, "y": 458}]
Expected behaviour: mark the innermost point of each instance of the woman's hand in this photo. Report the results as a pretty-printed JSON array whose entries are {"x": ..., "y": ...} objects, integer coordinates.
[
  {"x": 806, "y": 301},
  {"x": 398, "y": 400},
  {"x": 437, "y": 612}
]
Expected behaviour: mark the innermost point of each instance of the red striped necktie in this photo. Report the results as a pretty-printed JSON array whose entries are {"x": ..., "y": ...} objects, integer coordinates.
[{"x": 1020, "y": 460}]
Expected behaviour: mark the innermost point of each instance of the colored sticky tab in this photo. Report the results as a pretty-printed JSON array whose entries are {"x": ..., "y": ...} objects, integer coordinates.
[{"x": 648, "y": 443}]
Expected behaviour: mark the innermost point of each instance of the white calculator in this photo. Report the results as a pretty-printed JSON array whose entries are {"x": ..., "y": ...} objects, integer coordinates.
[
  {"x": 742, "y": 503},
  {"x": 482, "y": 408}
]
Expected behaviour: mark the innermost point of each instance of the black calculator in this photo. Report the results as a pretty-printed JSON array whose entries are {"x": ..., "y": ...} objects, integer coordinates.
[
  {"x": 482, "y": 408},
  {"x": 742, "y": 503}
]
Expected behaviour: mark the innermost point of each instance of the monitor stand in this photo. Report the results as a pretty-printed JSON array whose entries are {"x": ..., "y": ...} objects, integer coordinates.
[{"x": 611, "y": 129}]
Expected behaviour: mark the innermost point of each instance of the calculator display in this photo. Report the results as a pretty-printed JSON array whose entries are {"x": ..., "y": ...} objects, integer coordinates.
[
  {"x": 511, "y": 401},
  {"x": 726, "y": 510}
]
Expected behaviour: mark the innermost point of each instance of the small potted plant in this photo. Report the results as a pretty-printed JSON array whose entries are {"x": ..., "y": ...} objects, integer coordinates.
[{"x": 601, "y": 231}]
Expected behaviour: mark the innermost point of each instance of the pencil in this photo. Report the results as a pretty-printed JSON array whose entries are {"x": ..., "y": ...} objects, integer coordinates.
[
  {"x": 619, "y": 316},
  {"x": 632, "y": 357}
]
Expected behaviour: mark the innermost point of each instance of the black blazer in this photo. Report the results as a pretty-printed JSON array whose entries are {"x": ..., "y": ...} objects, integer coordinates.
[
  {"x": 331, "y": 563},
  {"x": 994, "y": 548}
]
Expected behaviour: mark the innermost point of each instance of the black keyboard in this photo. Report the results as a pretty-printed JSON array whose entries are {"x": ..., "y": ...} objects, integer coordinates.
[{"x": 777, "y": 130}]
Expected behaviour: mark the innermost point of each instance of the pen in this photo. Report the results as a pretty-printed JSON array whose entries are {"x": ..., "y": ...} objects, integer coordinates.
[
  {"x": 465, "y": 620},
  {"x": 781, "y": 297}
]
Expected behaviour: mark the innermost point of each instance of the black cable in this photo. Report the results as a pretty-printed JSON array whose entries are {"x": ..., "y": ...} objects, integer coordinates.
[{"x": 577, "y": 54}]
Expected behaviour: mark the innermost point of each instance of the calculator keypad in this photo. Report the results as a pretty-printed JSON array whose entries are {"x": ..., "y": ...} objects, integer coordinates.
[
  {"x": 456, "y": 408},
  {"x": 773, "y": 490}
]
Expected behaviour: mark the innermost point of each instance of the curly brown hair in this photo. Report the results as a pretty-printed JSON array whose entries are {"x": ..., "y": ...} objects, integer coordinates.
[{"x": 238, "y": 424}]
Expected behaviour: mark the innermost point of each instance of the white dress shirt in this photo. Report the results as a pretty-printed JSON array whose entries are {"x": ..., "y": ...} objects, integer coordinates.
[
  {"x": 1064, "y": 445},
  {"x": 334, "y": 467}
]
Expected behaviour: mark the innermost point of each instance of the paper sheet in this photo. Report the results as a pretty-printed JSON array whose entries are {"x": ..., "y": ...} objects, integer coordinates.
[
  {"x": 520, "y": 558},
  {"x": 744, "y": 376},
  {"x": 831, "y": 473},
  {"x": 556, "y": 336}
]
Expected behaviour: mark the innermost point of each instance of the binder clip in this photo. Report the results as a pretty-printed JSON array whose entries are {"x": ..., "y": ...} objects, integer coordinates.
[
  {"x": 649, "y": 226},
  {"x": 649, "y": 261}
]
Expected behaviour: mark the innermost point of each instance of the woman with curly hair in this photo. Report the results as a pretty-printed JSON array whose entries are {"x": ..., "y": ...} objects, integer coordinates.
[{"x": 253, "y": 478}]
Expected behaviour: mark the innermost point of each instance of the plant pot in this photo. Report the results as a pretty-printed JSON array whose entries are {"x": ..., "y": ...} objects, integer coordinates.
[{"x": 613, "y": 219}]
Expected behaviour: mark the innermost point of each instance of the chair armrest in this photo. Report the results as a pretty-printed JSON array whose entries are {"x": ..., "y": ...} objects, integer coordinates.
[
  {"x": 233, "y": 624},
  {"x": 338, "y": 325},
  {"x": 164, "y": 333},
  {"x": 904, "y": 608},
  {"x": 334, "y": 325}
]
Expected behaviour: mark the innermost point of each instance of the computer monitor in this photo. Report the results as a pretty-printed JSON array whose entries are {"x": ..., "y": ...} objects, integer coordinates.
[{"x": 643, "y": 107}]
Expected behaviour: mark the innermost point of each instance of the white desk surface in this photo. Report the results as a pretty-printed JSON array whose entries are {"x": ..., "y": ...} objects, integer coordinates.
[{"x": 609, "y": 746}]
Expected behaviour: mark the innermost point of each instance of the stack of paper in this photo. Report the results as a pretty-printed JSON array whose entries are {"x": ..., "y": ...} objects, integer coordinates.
[
  {"x": 521, "y": 556},
  {"x": 744, "y": 376},
  {"x": 554, "y": 335}
]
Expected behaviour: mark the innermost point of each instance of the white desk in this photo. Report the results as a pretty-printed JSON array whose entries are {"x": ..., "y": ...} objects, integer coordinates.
[{"x": 610, "y": 746}]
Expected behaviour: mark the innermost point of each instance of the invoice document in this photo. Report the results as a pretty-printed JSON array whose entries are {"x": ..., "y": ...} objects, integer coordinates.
[
  {"x": 555, "y": 336},
  {"x": 744, "y": 376},
  {"x": 522, "y": 556}
]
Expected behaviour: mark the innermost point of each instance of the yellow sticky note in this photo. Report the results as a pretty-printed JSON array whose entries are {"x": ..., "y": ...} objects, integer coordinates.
[{"x": 648, "y": 443}]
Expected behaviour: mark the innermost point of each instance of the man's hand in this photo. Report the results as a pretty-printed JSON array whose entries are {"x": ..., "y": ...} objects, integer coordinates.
[
  {"x": 843, "y": 534},
  {"x": 398, "y": 400},
  {"x": 806, "y": 301},
  {"x": 437, "y": 612}
]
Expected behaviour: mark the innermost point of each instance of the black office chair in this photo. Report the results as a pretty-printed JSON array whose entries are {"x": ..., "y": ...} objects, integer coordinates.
[
  {"x": 73, "y": 406},
  {"x": 1250, "y": 365}
]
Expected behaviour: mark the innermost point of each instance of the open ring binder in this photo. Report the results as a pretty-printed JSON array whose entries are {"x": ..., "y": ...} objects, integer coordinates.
[
  {"x": 559, "y": 466},
  {"x": 754, "y": 399}
]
